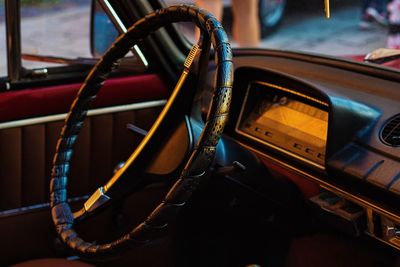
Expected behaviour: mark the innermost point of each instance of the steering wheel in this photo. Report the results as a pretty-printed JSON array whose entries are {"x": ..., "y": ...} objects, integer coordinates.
[{"x": 197, "y": 164}]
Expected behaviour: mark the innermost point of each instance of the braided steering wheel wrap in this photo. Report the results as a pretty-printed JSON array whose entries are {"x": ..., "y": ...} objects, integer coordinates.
[{"x": 199, "y": 161}]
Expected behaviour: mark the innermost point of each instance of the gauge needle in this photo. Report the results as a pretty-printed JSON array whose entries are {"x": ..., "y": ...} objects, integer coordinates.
[{"x": 327, "y": 9}]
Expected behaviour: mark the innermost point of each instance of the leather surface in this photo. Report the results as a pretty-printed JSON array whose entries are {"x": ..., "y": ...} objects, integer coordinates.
[
  {"x": 198, "y": 163},
  {"x": 26, "y": 154}
]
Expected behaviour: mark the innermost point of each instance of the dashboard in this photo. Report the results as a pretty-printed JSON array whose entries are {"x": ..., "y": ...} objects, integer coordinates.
[{"x": 328, "y": 125}]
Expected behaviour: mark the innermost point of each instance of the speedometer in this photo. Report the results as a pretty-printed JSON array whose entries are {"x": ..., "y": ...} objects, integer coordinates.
[{"x": 286, "y": 120}]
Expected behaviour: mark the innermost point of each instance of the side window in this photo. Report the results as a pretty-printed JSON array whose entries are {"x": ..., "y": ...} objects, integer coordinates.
[
  {"x": 54, "y": 28},
  {"x": 3, "y": 47},
  {"x": 104, "y": 31},
  {"x": 56, "y": 33}
]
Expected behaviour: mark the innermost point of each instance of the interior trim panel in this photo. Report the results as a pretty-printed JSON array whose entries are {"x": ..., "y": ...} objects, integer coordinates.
[{"x": 26, "y": 153}]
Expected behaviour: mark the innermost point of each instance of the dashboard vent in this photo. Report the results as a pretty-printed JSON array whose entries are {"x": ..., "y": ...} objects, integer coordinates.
[{"x": 390, "y": 134}]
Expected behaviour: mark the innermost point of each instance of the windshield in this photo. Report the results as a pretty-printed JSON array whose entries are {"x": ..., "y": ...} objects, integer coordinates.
[{"x": 355, "y": 28}]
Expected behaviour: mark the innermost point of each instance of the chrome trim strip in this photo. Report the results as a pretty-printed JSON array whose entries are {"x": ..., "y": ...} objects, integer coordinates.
[
  {"x": 287, "y": 152},
  {"x": 93, "y": 112},
  {"x": 13, "y": 29},
  {"x": 97, "y": 199},
  {"x": 293, "y": 92},
  {"x": 105, "y": 4}
]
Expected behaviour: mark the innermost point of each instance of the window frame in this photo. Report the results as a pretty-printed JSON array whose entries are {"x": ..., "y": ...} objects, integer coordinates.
[{"x": 19, "y": 77}]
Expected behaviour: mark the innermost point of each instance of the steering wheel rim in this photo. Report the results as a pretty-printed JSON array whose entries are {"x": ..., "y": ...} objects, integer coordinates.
[{"x": 196, "y": 166}]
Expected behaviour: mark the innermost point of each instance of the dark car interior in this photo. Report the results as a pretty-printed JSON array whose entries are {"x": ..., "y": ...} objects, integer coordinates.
[{"x": 211, "y": 156}]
